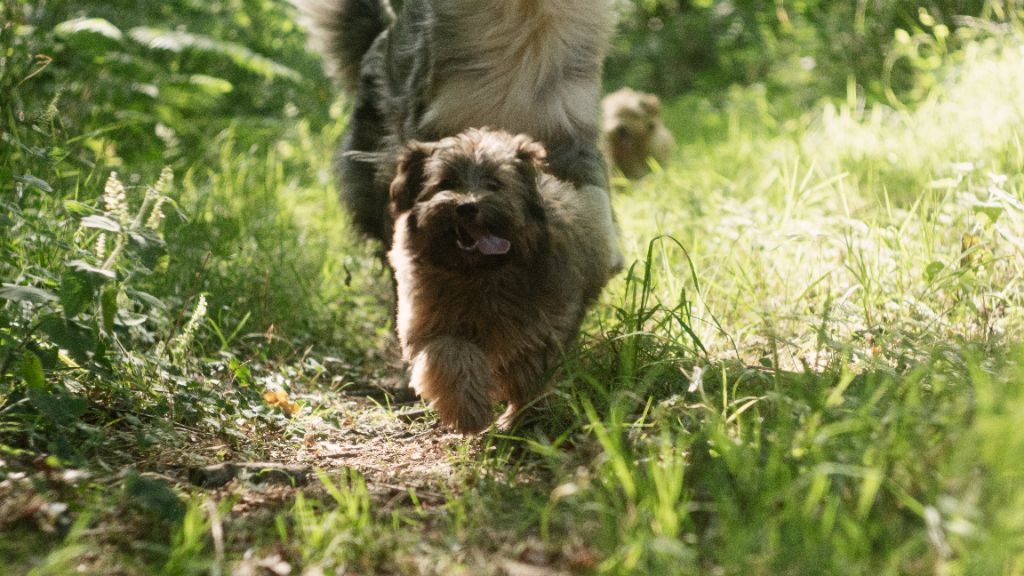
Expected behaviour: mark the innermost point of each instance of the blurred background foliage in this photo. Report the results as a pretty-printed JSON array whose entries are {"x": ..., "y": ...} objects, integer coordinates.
[
  {"x": 178, "y": 71},
  {"x": 812, "y": 46},
  {"x": 156, "y": 82},
  {"x": 185, "y": 65}
]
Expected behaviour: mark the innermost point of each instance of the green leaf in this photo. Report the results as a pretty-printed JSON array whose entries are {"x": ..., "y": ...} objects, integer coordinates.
[
  {"x": 75, "y": 295},
  {"x": 162, "y": 264},
  {"x": 57, "y": 404},
  {"x": 32, "y": 370},
  {"x": 933, "y": 270},
  {"x": 99, "y": 357},
  {"x": 146, "y": 298},
  {"x": 93, "y": 25},
  {"x": 128, "y": 320},
  {"x": 991, "y": 209},
  {"x": 78, "y": 208},
  {"x": 241, "y": 371},
  {"x": 153, "y": 497},
  {"x": 211, "y": 85},
  {"x": 101, "y": 223},
  {"x": 27, "y": 294},
  {"x": 49, "y": 356},
  {"x": 78, "y": 341},
  {"x": 52, "y": 401},
  {"x": 33, "y": 182},
  {"x": 148, "y": 247},
  {"x": 83, "y": 266},
  {"x": 109, "y": 302},
  {"x": 146, "y": 239}
]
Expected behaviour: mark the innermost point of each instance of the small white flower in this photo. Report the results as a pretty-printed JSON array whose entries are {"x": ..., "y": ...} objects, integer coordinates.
[
  {"x": 101, "y": 246},
  {"x": 115, "y": 199},
  {"x": 182, "y": 342},
  {"x": 200, "y": 311},
  {"x": 165, "y": 180},
  {"x": 157, "y": 215},
  {"x": 156, "y": 195},
  {"x": 164, "y": 132}
]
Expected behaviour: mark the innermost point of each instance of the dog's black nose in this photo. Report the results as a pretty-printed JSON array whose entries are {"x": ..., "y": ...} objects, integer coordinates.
[{"x": 467, "y": 209}]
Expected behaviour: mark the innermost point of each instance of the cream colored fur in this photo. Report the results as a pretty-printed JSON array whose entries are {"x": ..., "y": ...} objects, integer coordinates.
[{"x": 519, "y": 74}]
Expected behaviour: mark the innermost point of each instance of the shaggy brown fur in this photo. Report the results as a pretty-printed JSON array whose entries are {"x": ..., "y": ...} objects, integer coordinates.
[
  {"x": 632, "y": 132},
  {"x": 496, "y": 262}
]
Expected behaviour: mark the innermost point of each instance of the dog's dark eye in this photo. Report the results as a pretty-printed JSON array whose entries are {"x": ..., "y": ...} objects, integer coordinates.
[{"x": 448, "y": 183}]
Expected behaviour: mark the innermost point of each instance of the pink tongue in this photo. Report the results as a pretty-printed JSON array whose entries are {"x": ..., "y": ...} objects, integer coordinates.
[{"x": 491, "y": 245}]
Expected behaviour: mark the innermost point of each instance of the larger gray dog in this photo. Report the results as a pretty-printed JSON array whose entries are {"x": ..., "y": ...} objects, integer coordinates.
[{"x": 441, "y": 66}]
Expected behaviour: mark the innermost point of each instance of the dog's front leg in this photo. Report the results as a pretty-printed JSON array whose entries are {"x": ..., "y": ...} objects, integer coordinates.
[
  {"x": 452, "y": 374},
  {"x": 598, "y": 207},
  {"x": 521, "y": 383}
]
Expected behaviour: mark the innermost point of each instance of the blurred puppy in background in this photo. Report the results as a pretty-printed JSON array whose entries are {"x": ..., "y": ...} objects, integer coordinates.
[
  {"x": 496, "y": 262},
  {"x": 632, "y": 132}
]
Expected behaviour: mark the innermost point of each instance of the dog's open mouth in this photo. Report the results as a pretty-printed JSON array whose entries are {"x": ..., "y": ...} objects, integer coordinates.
[{"x": 482, "y": 241}]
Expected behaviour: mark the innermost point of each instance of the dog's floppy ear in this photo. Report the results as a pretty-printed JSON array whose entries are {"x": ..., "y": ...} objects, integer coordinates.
[
  {"x": 409, "y": 175},
  {"x": 651, "y": 104},
  {"x": 531, "y": 159},
  {"x": 530, "y": 154}
]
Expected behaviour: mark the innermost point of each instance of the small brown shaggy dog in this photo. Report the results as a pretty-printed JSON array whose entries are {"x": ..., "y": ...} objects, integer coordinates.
[
  {"x": 496, "y": 262},
  {"x": 632, "y": 132}
]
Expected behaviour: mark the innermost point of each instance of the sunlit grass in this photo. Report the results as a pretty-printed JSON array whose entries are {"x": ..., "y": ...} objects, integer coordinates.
[{"x": 854, "y": 227}]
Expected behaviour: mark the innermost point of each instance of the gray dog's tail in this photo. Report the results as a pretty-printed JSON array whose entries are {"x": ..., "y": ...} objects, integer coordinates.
[{"x": 343, "y": 30}]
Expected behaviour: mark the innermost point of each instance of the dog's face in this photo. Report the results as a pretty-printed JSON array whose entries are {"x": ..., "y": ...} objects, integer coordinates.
[
  {"x": 630, "y": 117},
  {"x": 471, "y": 200}
]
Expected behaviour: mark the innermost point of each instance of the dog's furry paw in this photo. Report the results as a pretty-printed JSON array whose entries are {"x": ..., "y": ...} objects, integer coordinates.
[
  {"x": 454, "y": 376},
  {"x": 535, "y": 413},
  {"x": 471, "y": 419},
  {"x": 507, "y": 420}
]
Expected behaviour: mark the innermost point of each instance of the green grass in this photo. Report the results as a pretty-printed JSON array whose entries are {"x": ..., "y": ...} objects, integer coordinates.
[{"x": 813, "y": 365}]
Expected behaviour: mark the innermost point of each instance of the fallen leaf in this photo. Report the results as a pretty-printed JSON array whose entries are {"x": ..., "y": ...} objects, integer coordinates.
[{"x": 280, "y": 399}]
